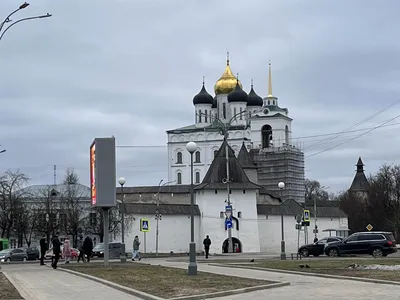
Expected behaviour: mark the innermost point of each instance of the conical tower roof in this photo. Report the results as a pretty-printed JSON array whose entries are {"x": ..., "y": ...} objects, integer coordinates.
[
  {"x": 216, "y": 174},
  {"x": 245, "y": 159}
]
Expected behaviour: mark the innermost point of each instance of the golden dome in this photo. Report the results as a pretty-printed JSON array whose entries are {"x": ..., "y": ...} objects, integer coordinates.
[{"x": 227, "y": 82}]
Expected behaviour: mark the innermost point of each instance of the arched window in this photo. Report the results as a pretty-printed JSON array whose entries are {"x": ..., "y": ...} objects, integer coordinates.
[
  {"x": 287, "y": 135},
  {"x": 241, "y": 114},
  {"x": 197, "y": 157},
  {"x": 206, "y": 116},
  {"x": 266, "y": 136},
  {"x": 269, "y": 102},
  {"x": 197, "y": 177},
  {"x": 199, "y": 115},
  {"x": 273, "y": 102},
  {"x": 179, "y": 178},
  {"x": 179, "y": 157},
  {"x": 224, "y": 110},
  {"x": 234, "y": 113}
]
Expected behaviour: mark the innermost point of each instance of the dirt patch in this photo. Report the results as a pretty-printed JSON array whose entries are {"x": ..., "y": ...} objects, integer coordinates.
[
  {"x": 165, "y": 282},
  {"x": 7, "y": 290}
]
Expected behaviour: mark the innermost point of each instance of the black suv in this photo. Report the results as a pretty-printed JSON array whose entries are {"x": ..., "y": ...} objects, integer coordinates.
[{"x": 376, "y": 243}]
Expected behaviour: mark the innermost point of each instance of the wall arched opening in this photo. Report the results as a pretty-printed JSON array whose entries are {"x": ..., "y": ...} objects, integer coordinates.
[
  {"x": 237, "y": 245},
  {"x": 266, "y": 136}
]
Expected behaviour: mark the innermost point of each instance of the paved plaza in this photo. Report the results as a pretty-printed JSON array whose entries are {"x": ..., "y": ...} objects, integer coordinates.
[{"x": 42, "y": 283}]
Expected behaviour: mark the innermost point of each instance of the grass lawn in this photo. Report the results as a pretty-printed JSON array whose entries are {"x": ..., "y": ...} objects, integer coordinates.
[
  {"x": 334, "y": 266},
  {"x": 7, "y": 290},
  {"x": 165, "y": 282}
]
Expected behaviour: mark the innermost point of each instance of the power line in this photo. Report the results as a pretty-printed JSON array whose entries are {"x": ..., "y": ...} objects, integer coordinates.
[
  {"x": 355, "y": 125},
  {"x": 358, "y": 136},
  {"x": 295, "y": 138}
]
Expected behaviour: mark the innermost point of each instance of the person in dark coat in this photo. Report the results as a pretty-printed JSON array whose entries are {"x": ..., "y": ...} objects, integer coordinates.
[
  {"x": 43, "y": 249},
  {"x": 88, "y": 248},
  {"x": 207, "y": 244},
  {"x": 80, "y": 248},
  {"x": 56, "y": 250}
]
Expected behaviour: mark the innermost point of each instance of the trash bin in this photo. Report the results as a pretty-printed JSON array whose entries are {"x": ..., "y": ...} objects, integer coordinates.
[{"x": 115, "y": 250}]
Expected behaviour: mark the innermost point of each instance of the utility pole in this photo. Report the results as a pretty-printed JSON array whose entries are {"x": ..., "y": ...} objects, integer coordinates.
[
  {"x": 228, "y": 189},
  {"x": 158, "y": 215}
]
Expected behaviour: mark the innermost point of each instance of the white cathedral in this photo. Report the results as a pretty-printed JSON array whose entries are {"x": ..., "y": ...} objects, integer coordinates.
[
  {"x": 259, "y": 130},
  {"x": 256, "y": 121}
]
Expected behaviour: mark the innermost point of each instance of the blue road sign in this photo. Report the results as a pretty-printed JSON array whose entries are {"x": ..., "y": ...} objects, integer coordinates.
[
  {"x": 228, "y": 208},
  {"x": 144, "y": 225},
  {"x": 228, "y": 223}
]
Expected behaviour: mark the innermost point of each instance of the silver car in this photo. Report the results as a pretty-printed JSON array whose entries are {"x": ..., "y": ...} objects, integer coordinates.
[{"x": 7, "y": 255}]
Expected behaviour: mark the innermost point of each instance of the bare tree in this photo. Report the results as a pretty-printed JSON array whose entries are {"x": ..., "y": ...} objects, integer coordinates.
[
  {"x": 26, "y": 222},
  {"x": 75, "y": 201},
  {"x": 10, "y": 200},
  {"x": 313, "y": 191}
]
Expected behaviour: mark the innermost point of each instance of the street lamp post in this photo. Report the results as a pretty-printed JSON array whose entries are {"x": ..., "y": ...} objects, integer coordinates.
[
  {"x": 281, "y": 186},
  {"x": 122, "y": 181},
  {"x": 191, "y": 147},
  {"x": 8, "y": 20},
  {"x": 315, "y": 210}
]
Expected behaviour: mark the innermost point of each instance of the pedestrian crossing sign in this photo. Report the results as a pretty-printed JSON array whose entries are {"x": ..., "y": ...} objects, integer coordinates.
[
  {"x": 144, "y": 225},
  {"x": 306, "y": 215}
]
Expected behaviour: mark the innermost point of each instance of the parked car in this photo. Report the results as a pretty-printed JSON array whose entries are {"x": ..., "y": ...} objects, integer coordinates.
[
  {"x": 375, "y": 243},
  {"x": 317, "y": 249},
  {"x": 32, "y": 252},
  {"x": 114, "y": 248},
  {"x": 74, "y": 253},
  {"x": 7, "y": 255}
]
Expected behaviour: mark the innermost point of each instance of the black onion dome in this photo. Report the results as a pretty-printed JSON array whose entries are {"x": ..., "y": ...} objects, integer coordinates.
[
  {"x": 237, "y": 95},
  {"x": 203, "y": 97},
  {"x": 254, "y": 99},
  {"x": 214, "y": 105}
]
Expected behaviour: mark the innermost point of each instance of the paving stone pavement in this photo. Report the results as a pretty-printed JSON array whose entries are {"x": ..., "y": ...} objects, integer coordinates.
[
  {"x": 301, "y": 287},
  {"x": 36, "y": 282}
]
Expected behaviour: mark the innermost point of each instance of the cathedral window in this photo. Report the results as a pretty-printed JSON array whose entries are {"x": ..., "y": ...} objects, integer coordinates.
[
  {"x": 234, "y": 112},
  {"x": 206, "y": 116},
  {"x": 269, "y": 102},
  {"x": 179, "y": 178},
  {"x": 241, "y": 114},
  {"x": 200, "y": 116},
  {"x": 197, "y": 157},
  {"x": 210, "y": 116},
  {"x": 179, "y": 157},
  {"x": 273, "y": 102},
  {"x": 197, "y": 177},
  {"x": 266, "y": 136},
  {"x": 287, "y": 135},
  {"x": 224, "y": 110}
]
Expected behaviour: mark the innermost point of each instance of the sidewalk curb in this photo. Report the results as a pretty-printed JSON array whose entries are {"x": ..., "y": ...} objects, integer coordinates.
[
  {"x": 361, "y": 279},
  {"x": 233, "y": 292},
  {"x": 16, "y": 285},
  {"x": 116, "y": 286}
]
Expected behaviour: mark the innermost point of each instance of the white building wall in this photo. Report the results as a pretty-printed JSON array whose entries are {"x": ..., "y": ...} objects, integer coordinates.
[
  {"x": 270, "y": 232},
  {"x": 278, "y": 125},
  {"x": 236, "y": 108},
  {"x": 203, "y": 115},
  {"x": 212, "y": 205},
  {"x": 174, "y": 234}
]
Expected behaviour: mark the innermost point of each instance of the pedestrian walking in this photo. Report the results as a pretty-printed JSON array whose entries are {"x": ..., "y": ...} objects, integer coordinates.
[
  {"x": 80, "y": 248},
  {"x": 56, "y": 250},
  {"x": 43, "y": 249},
  {"x": 207, "y": 244},
  {"x": 135, "y": 251},
  {"x": 88, "y": 248},
  {"x": 67, "y": 251}
]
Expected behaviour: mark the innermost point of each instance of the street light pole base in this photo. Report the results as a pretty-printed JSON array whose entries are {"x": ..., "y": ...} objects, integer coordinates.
[
  {"x": 283, "y": 253},
  {"x": 192, "y": 268},
  {"x": 123, "y": 254}
]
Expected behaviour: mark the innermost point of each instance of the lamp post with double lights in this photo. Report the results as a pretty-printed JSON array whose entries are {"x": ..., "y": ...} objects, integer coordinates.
[
  {"x": 191, "y": 147},
  {"x": 122, "y": 181},
  {"x": 8, "y": 20},
  {"x": 281, "y": 186},
  {"x": 158, "y": 215}
]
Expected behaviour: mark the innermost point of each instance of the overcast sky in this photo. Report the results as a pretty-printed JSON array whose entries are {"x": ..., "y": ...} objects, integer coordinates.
[{"x": 130, "y": 68}]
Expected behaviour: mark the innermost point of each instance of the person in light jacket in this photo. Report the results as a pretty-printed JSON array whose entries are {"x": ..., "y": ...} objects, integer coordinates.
[
  {"x": 135, "y": 251},
  {"x": 67, "y": 251}
]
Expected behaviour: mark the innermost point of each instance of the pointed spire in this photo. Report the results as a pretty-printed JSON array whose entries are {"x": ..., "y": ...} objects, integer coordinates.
[
  {"x": 227, "y": 58},
  {"x": 269, "y": 80},
  {"x": 360, "y": 165},
  {"x": 204, "y": 80},
  {"x": 251, "y": 86}
]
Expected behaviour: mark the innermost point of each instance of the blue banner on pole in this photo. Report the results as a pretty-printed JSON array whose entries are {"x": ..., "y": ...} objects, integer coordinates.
[{"x": 228, "y": 223}]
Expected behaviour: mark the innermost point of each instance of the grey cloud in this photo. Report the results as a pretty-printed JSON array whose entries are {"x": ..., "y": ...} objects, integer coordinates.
[{"x": 131, "y": 68}]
